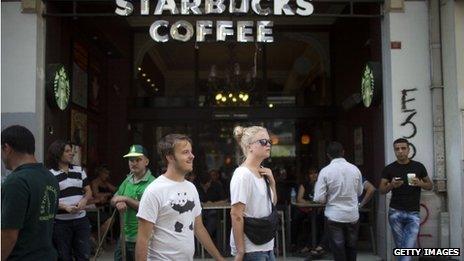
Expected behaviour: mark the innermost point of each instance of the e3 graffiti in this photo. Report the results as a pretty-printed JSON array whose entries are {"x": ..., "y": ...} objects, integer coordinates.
[{"x": 410, "y": 115}]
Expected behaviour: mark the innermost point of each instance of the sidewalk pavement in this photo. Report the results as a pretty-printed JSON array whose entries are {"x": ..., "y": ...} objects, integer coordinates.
[{"x": 107, "y": 255}]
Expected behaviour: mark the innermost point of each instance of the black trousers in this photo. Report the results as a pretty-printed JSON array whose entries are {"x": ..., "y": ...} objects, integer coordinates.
[
  {"x": 72, "y": 239},
  {"x": 343, "y": 238},
  {"x": 299, "y": 231},
  {"x": 210, "y": 220}
]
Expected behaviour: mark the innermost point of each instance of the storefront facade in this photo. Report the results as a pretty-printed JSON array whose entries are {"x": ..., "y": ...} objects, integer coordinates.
[{"x": 414, "y": 103}]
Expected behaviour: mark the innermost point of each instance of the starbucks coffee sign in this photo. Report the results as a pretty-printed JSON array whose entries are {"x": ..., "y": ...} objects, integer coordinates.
[{"x": 221, "y": 30}]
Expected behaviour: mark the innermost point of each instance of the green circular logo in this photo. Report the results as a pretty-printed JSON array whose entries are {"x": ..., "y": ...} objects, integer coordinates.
[
  {"x": 61, "y": 89},
  {"x": 367, "y": 86}
]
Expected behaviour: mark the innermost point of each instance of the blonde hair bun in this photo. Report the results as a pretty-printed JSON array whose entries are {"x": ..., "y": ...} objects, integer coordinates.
[{"x": 238, "y": 133}]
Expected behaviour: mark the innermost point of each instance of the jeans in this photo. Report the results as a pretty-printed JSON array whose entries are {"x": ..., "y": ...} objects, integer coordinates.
[
  {"x": 405, "y": 227},
  {"x": 72, "y": 239},
  {"x": 130, "y": 251},
  {"x": 343, "y": 238},
  {"x": 259, "y": 256}
]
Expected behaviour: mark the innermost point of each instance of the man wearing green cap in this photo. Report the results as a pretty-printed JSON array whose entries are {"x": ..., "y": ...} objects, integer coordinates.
[{"x": 128, "y": 196}]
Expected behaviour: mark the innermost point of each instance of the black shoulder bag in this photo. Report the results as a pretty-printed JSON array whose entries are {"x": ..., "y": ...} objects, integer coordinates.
[{"x": 262, "y": 230}]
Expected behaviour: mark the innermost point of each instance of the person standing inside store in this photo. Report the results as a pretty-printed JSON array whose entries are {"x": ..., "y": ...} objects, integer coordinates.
[
  {"x": 101, "y": 186},
  {"x": 72, "y": 228},
  {"x": 217, "y": 178},
  {"x": 102, "y": 191},
  {"x": 368, "y": 193},
  {"x": 210, "y": 191},
  {"x": 404, "y": 178},
  {"x": 170, "y": 211},
  {"x": 251, "y": 187},
  {"x": 29, "y": 200},
  {"x": 127, "y": 198},
  {"x": 338, "y": 186}
]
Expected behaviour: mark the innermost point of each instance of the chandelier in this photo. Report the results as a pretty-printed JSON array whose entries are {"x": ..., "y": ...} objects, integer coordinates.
[{"x": 234, "y": 88}]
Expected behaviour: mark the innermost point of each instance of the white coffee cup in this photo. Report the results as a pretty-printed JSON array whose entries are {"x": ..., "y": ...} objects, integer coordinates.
[{"x": 410, "y": 177}]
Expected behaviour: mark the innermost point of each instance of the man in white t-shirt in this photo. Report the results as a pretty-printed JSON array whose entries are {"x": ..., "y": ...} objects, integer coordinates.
[{"x": 170, "y": 211}]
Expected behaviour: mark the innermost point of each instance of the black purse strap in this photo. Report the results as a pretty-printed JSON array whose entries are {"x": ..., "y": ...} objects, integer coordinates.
[{"x": 269, "y": 192}]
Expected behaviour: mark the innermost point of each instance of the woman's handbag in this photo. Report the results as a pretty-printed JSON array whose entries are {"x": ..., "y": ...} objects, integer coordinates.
[{"x": 262, "y": 230}]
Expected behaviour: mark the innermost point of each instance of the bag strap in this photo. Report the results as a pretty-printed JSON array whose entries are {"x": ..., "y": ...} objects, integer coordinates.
[{"x": 269, "y": 192}]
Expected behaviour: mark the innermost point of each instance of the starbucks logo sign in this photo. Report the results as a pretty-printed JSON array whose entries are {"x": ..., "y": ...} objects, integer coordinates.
[
  {"x": 58, "y": 87},
  {"x": 370, "y": 83}
]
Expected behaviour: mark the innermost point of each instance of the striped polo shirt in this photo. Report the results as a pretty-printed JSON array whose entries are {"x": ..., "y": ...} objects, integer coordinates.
[{"x": 71, "y": 190}]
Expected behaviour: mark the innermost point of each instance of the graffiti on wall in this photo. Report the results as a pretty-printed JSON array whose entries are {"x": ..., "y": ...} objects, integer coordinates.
[
  {"x": 422, "y": 222},
  {"x": 410, "y": 112}
]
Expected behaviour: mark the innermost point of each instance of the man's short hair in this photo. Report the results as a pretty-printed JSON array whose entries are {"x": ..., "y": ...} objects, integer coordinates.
[
  {"x": 335, "y": 150},
  {"x": 167, "y": 143},
  {"x": 401, "y": 140},
  {"x": 19, "y": 138}
]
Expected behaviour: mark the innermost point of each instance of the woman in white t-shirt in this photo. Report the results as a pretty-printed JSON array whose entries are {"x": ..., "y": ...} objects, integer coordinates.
[{"x": 248, "y": 192}]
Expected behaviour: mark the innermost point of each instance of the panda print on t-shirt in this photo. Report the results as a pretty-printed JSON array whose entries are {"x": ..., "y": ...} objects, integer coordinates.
[{"x": 182, "y": 204}]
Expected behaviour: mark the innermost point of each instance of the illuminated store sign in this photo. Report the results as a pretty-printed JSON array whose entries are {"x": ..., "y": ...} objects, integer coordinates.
[{"x": 245, "y": 31}]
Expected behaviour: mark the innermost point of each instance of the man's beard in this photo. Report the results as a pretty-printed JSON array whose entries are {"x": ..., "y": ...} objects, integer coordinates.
[{"x": 179, "y": 169}]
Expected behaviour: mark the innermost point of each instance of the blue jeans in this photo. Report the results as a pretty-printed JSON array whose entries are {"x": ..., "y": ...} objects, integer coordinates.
[
  {"x": 405, "y": 227},
  {"x": 259, "y": 256},
  {"x": 72, "y": 239}
]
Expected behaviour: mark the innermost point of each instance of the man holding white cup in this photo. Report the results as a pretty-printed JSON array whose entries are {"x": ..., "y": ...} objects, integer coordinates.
[{"x": 404, "y": 178}]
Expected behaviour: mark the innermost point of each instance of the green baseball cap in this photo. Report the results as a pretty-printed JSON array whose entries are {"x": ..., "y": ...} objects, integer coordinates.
[{"x": 136, "y": 150}]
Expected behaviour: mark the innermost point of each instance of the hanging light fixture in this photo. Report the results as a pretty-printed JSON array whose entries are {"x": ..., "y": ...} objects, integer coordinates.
[{"x": 234, "y": 88}]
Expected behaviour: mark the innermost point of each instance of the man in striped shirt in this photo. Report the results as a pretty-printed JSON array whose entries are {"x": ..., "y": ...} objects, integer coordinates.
[{"x": 72, "y": 228}]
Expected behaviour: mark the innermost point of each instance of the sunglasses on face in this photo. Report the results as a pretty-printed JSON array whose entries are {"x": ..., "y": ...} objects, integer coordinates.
[{"x": 264, "y": 142}]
